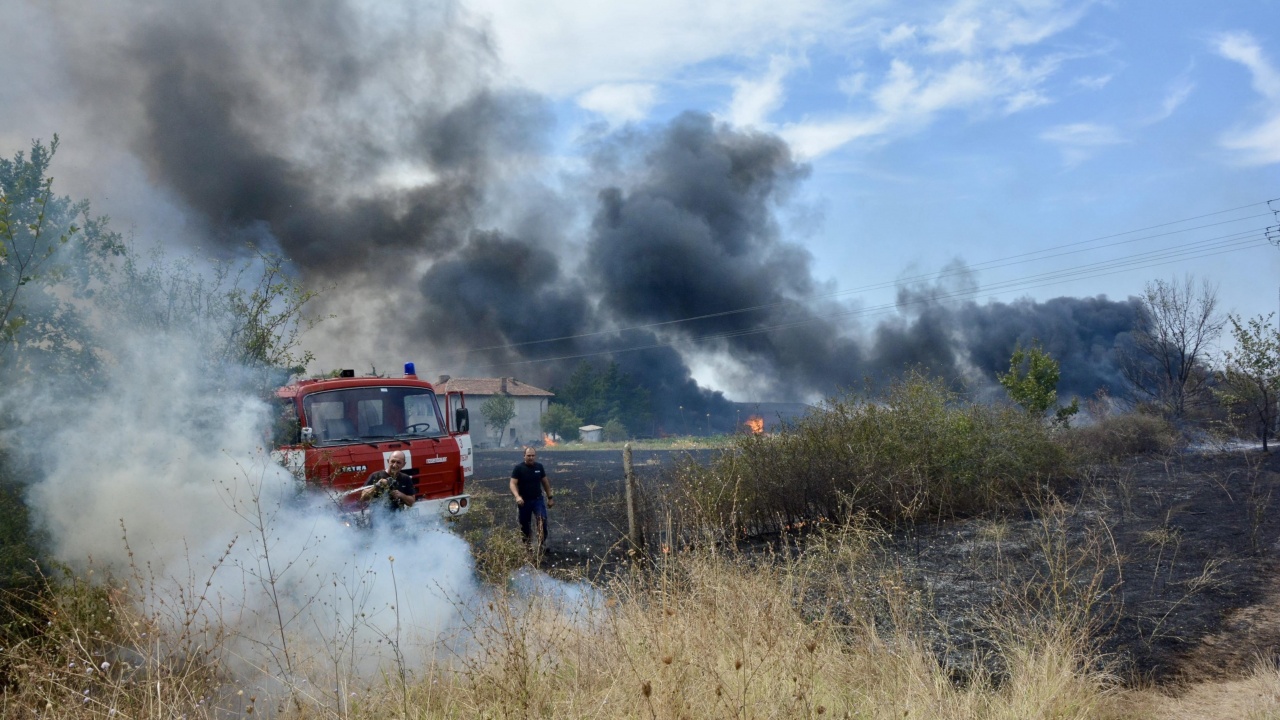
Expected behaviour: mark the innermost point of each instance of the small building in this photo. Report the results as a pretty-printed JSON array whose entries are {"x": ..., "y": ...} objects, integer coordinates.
[
  {"x": 590, "y": 433},
  {"x": 530, "y": 405}
]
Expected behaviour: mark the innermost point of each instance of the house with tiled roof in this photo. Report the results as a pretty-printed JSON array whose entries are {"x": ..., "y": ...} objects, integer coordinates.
[{"x": 530, "y": 402}]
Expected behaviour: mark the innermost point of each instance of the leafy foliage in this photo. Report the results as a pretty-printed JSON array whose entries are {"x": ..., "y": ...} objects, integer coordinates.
[
  {"x": 498, "y": 411},
  {"x": 1113, "y": 438},
  {"x": 614, "y": 431},
  {"x": 1032, "y": 382},
  {"x": 1250, "y": 380},
  {"x": 610, "y": 394},
  {"x": 47, "y": 261},
  {"x": 560, "y": 420},
  {"x": 70, "y": 293},
  {"x": 251, "y": 311},
  {"x": 921, "y": 451}
]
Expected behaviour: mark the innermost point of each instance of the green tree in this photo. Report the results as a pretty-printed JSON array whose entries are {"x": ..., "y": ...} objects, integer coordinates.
[
  {"x": 48, "y": 263},
  {"x": 1032, "y": 382},
  {"x": 498, "y": 411},
  {"x": 560, "y": 420},
  {"x": 609, "y": 394},
  {"x": 583, "y": 393},
  {"x": 1250, "y": 380},
  {"x": 614, "y": 431}
]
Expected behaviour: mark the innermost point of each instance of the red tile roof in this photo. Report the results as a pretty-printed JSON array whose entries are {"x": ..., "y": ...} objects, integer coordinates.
[{"x": 490, "y": 386}]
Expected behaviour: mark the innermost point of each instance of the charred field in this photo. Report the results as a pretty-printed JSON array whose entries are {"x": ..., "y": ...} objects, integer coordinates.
[{"x": 1181, "y": 551}]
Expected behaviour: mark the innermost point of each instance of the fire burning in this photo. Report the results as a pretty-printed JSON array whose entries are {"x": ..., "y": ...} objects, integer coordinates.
[
  {"x": 549, "y": 440},
  {"x": 755, "y": 424}
]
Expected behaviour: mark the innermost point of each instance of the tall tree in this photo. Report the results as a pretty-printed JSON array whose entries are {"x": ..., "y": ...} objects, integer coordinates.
[
  {"x": 609, "y": 394},
  {"x": 1167, "y": 360},
  {"x": 1250, "y": 381},
  {"x": 48, "y": 262}
]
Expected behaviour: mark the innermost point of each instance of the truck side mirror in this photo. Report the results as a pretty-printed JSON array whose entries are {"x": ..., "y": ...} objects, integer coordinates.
[
  {"x": 308, "y": 436},
  {"x": 462, "y": 420}
]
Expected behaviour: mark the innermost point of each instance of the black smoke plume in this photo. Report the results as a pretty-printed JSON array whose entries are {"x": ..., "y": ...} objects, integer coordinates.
[{"x": 377, "y": 152}]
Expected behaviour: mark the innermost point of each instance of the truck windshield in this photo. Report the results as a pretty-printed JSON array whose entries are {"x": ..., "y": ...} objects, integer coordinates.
[{"x": 372, "y": 413}]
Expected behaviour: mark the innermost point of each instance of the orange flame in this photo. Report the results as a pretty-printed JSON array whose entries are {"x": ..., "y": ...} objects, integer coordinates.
[
  {"x": 755, "y": 424},
  {"x": 548, "y": 440}
]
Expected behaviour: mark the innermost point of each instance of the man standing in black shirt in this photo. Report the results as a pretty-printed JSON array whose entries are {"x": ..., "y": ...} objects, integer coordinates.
[{"x": 529, "y": 484}]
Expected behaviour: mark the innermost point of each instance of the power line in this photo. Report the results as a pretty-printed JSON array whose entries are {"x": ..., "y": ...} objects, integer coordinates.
[
  {"x": 887, "y": 308},
  {"x": 993, "y": 264},
  {"x": 1234, "y": 242}
]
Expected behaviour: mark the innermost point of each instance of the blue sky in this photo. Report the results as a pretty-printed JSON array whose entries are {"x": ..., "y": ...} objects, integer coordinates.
[{"x": 971, "y": 130}]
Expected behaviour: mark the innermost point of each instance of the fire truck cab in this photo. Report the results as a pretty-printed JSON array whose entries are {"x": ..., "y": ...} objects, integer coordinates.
[{"x": 333, "y": 433}]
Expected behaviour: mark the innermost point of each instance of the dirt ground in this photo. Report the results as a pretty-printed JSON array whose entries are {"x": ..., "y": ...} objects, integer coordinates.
[{"x": 1181, "y": 552}]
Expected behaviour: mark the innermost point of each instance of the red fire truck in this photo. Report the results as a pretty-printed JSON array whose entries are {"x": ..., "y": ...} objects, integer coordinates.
[{"x": 335, "y": 432}]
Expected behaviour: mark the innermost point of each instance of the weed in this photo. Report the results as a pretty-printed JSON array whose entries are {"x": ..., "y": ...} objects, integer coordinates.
[{"x": 923, "y": 452}]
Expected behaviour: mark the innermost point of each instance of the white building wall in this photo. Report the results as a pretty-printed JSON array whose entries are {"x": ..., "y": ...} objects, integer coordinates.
[{"x": 525, "y": 427}]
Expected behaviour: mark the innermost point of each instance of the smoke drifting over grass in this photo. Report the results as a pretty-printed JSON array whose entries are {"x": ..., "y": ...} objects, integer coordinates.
[
  {"x": 378, "y": 148},
  {"x": 173, "y": 458}
]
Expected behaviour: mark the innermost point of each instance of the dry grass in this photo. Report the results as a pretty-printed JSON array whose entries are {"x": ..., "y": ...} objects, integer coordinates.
[
  {"x": 826, "y": 629},
  {"x": 1256, "y": 697},
  {"x": 821, "y": 632}
]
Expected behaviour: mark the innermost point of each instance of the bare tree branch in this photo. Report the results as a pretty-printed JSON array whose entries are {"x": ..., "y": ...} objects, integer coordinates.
[{"x": 1167, "y": 361}]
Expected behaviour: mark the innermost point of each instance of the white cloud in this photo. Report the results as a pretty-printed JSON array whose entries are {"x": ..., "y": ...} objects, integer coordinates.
[
  {"x": 853, "y": 85},
  {"x": 917, "y": 88},
  {"x": 974, "y": 26},
  {"x": 910, "y": 98},
  {"x": 1178, "y": 92},
  {"x": 1259, "y": 145},
  {"x": 1093, "y": 82},
  {"x": 754, "y": 100},
  {"x": 609, "y": 55},
  {"x": 1244, "y": 49},
  {"x": 899, "y": 35},
  {"x": 813, "y": 139},
  {"x": 1081, "y": 141},
  {"x": 563, "y": 47},
  {"x": 1083, "y": 135},
  {"x": 620, "y": 102}
]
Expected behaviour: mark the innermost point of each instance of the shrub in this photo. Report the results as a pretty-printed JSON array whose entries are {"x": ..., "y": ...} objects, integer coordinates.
[
  {"x": 1115, "y": 437},
  {"x": 559, "y": 420},
  {"x": 921, "y": 451},
  {"x": 614, "y": 431}
]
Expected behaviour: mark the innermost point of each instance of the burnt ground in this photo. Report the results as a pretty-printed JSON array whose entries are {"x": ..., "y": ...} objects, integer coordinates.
[
  {"x": 1181, "y": 552},
  {"x": 588, "y": 525}
]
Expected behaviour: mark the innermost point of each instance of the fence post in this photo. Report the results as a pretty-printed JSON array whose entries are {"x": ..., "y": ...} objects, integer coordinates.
[{"x": 632, "y": 537}]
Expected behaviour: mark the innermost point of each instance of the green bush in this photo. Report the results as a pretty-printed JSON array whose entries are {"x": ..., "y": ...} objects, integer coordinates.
[
  {"x": 18, "y": 544},
  {"x": 614, "y": 431},
  {"x": 559, "y": 420},
  {"x": 1116, "y": 437},
  {"x": 921, "y": 451}
]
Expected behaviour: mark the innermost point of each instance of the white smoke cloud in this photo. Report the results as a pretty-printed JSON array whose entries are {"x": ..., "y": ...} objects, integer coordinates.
[{"x": 177, "y": 461}]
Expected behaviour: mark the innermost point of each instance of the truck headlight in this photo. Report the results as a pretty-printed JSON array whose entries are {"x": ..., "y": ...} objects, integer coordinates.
[{"x": 454, "y": 507}]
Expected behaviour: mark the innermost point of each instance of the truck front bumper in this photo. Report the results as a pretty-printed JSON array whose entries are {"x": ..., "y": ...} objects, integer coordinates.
[{"x": 449, "y": 507}]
